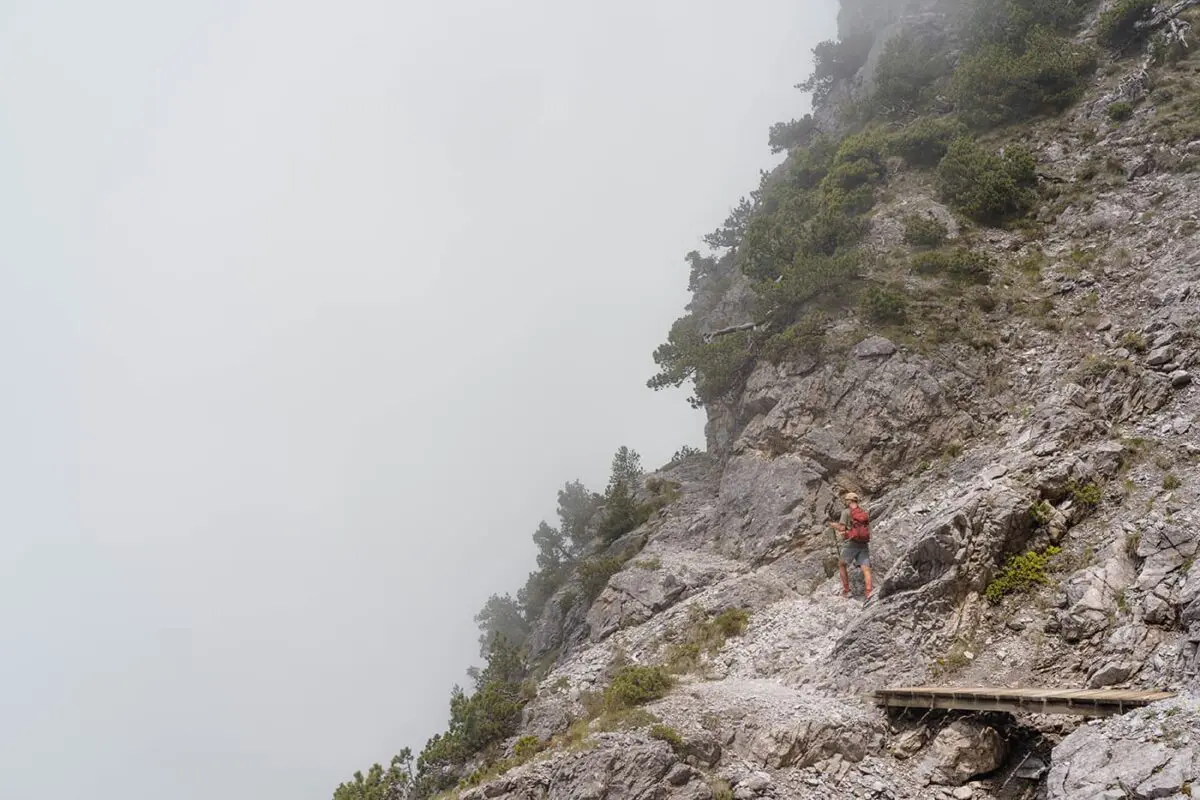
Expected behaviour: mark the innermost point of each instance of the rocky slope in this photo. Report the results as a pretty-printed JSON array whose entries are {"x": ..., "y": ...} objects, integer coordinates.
[{"x": 1074, "y": 433}]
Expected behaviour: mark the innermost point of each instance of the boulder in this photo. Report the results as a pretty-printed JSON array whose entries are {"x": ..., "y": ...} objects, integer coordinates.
[
  {"x": 962, "y": 750},
  {"x": 874, "y": 347}
]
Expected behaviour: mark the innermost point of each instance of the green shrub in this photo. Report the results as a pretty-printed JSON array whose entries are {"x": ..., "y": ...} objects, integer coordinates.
[
  {"x": 721, "y": 790},
  {"x": 731, "y": 622},
  {"x": 884, "y": 305},
  {"x": 705, "y": 637},
  {"x": 1087, "y": 496},
  {"x": 832, "y": 231},
  {"x": 1117, "y": 24},
  {"x": 526, "y": 748},
  {"x": 1170, "y": 482},
  {"x": 1135, "y": 341},
  {"x": 789, "y": 135},
  {"x": 624, "y": 719},
  {"x": 669, "y": 735},
  {"x": 1020, "y": 573},
  {"x": 924, "y": 143},
  {"x": 858, "y": 165},
  {"x": 1119, "y": 111},
  {"x": 621, "y": 514},
  {"x": 378, "y": 783},
  {"x": 1009, "y": 22},
  {"x": 985, "y": 186},
  {"x": 715, "y": 367},
  {"x": 995, "y": 85},
  {"x": 908, "y": 68},
  {"x": 801, "y": 338},
  {"x": 959, "y": 264},
  {"x": 835, "y": 61},
  {"x": 924, "y": 230},
  {"x": 595, "y": 572},
  {"x": 1041, "y": 512},
  {"x": 683, "y": 454},
  {"x": 635, "y": 686},
  {"x": 807, "y": 279}
]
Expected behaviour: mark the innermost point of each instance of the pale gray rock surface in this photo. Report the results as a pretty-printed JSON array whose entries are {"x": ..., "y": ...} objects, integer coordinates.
[
  {"x": 1147, "y": 753},
  {"x": 964, "y": 750}
]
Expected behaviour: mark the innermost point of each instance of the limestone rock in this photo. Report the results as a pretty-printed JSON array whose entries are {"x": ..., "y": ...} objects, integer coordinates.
[
  {"x": 963, "y": 750},
  {"x": 907, "y": 743},
  {"x": 621, "y": 765},
  {"x": 1147, "y": 753},
  {"x": 874, "y": 347}
]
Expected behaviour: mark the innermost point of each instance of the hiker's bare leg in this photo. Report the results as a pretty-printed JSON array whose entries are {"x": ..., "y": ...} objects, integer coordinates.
[
  {"x": 867, "y": 578},
  {"x": 845, "y": 577}
]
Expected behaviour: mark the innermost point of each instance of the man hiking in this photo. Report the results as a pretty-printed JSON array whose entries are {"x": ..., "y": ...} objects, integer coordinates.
[{"x": 855, "y": 530}]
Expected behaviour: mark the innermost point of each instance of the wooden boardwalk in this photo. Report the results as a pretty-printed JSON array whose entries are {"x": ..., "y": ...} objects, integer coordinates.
[{"x": 1089, "y": 702}]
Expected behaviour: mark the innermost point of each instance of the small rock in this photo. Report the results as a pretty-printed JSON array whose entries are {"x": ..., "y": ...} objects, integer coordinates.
[
  {"x": 1045, "y": 448},
  {"x": 1111, "y": 673},
  {"x": 1104, "y": 325},
  {"x": 964, "y": 793},
  {"x": 1180, "y": 378},
  {"x": 758, "y": 782},
  {"x": 995, "y": 472},
  {"x": 907, "y": 744},
  {"x": 679, "y": 775},
  {"x": 874, "y": 346},
  {"x": 1015, "y": 625},
  {"x": 1033, "y": 769},
  {"x": 1160, "y": 355}
]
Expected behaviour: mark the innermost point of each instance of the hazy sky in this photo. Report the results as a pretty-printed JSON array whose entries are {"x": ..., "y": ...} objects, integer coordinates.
[{"x": 308, "y": 311}]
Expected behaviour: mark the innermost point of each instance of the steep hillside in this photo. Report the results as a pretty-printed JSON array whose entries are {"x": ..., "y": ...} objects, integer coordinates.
[{"x": 968, "y": 295}]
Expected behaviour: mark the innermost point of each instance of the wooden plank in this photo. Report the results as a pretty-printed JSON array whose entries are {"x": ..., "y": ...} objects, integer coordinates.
[{"x": 1092, "y": 702}]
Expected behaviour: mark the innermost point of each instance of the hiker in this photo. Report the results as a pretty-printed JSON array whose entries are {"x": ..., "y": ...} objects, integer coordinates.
[{"x": 854, "y": 529}]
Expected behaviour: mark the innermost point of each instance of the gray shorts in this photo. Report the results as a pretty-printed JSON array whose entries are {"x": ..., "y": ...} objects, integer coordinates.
[{"x": 857, "y": 554}]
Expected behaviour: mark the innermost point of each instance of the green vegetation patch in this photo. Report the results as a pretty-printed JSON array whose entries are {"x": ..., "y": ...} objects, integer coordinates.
[
  {"x": 637, "y": 685},
  {"x": 997, "y": 84},
  {"x": 1117, "y": 24},
  {"x": 1119, "y": 111},
  {"x": 924, "y": 230},
  {"x": 959, "y": 263},
  {"x": 704, "y": 637},
  {"x": 1021, "y": 573},
  {"x": 986, "y": 186},
  {"x": 924, "y": 143},
  {"x": 669, "y": 735}
]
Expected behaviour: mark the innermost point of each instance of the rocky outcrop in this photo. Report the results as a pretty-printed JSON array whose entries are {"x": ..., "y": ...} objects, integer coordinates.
[
  {"x": 1149, "y": 753},
  {"x": 618, "y": 766}
]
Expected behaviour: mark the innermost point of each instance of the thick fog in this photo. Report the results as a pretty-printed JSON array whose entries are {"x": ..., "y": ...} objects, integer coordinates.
[{"x": 308, "y": 311}]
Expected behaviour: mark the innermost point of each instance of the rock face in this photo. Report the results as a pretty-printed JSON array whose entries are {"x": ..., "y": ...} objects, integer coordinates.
[
  {"x": 619, "y": 766},
  {"x": 1149, "y": 753}
]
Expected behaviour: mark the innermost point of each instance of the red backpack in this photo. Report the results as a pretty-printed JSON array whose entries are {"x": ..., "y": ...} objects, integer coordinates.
[{"x": 858, "y": 531}]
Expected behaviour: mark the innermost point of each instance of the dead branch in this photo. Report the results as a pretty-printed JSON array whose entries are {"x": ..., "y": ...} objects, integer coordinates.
[{"x": 745, "y": 326}]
